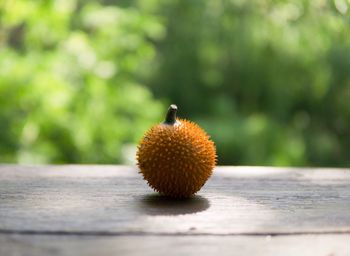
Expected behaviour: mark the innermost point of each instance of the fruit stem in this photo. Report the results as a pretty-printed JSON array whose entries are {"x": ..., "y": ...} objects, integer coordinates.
[{"x": 170, "y": 118}]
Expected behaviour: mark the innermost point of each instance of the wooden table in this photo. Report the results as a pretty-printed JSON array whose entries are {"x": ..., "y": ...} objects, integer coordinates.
[{"x": 109, "y": 210}]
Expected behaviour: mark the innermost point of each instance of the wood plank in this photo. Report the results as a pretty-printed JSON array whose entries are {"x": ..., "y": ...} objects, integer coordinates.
[
  {"x": 114, "y": 200},
  {"x": 303, "y": 245}
]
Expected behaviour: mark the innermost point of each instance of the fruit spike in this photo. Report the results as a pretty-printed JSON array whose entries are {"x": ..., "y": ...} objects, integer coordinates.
[{"x": 176, "y": 157}]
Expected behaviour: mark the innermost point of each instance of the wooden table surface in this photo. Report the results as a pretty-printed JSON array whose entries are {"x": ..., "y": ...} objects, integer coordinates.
[{"x": 110, "y": 210}]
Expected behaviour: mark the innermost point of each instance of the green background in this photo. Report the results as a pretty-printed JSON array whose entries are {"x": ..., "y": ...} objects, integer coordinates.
[{"x": 81, "y": 81}]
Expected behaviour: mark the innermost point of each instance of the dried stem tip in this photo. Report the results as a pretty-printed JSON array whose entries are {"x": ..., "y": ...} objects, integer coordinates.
[{"x": 170, "y": 118}]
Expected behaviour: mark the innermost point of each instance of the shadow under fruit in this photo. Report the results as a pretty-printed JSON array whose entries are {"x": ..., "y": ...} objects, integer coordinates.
[{"x": 159, "y": 205}]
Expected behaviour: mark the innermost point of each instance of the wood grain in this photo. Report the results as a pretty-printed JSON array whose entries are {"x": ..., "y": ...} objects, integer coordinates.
[
  {"x": 112, "y": 204},
  {"x": 300, "y": 245},
  {"x": 115, "y": 199}
]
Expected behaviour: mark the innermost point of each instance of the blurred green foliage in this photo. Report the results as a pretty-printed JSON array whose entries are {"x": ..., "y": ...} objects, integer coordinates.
[{"x": 80, "y": 81}]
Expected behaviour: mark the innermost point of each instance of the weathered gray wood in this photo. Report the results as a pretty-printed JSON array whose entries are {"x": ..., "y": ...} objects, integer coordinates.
[
  {"x": 302, "y": 245},
  {"x": 105, "y": 210},
  {"x": 115, "y": 199}
]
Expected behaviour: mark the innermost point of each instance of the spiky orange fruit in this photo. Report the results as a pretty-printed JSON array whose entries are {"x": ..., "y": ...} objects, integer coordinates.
[{"x": 176, "y": 157}]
